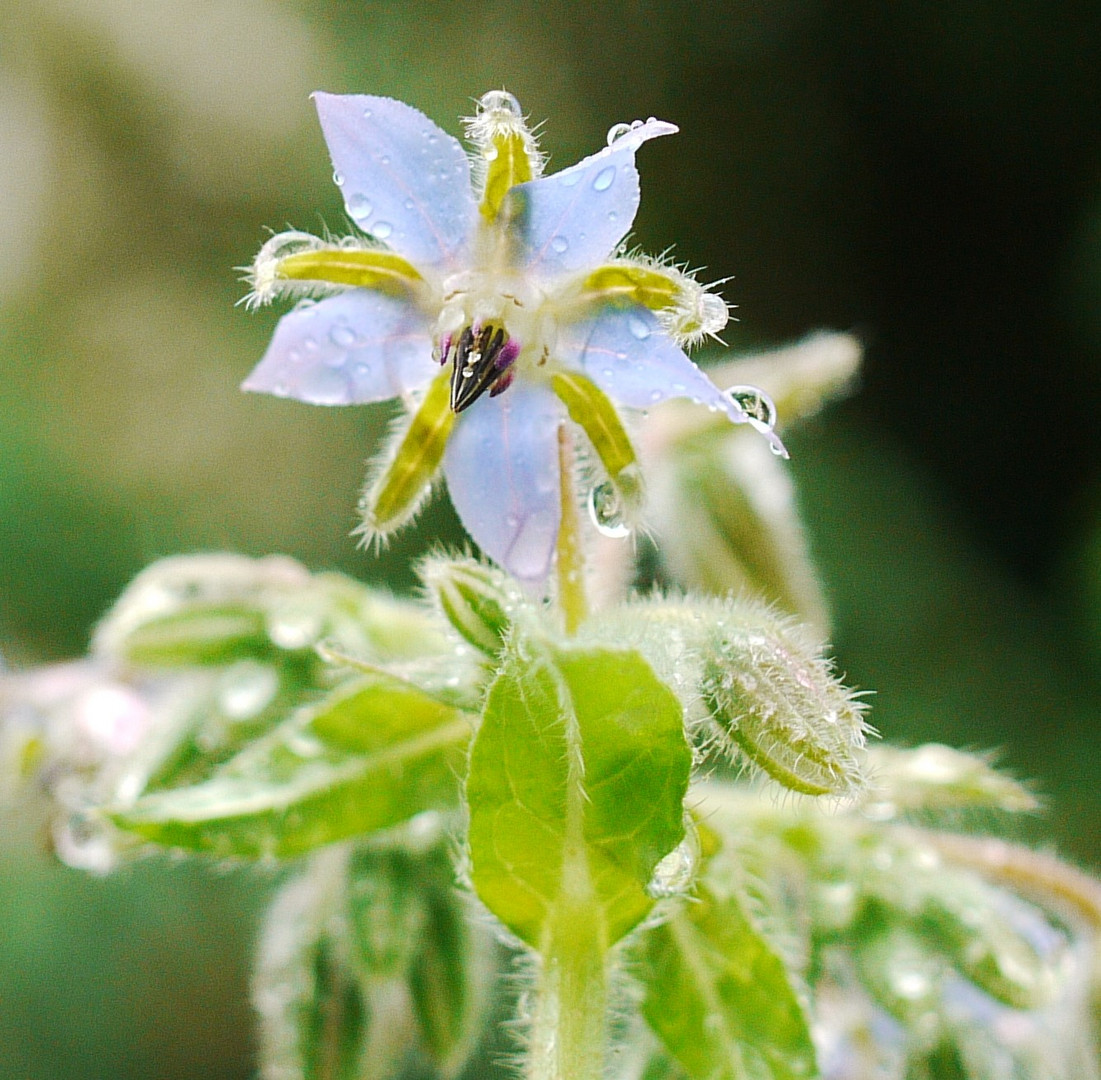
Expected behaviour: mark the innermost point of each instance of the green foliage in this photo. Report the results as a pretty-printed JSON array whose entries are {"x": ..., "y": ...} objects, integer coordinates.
[
  {"x": 576, "y": 784},
  {"x": 720, "y": 997},
  {"x": 370, "y": 755}
]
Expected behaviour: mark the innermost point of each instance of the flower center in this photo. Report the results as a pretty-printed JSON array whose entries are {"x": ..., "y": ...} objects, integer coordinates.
[
  {"x": 482, "y": 359},
  {"x": 486, "y": 321}
]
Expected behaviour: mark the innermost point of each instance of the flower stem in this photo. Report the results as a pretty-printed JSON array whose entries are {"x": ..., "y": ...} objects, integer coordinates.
[
  {"x": 571, "y": 560},
  {"x": 567, "y": 1030}
]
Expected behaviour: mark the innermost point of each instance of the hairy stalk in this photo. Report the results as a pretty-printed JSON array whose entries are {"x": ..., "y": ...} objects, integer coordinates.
[
  {"x": 571, "y": 576},
  {"x": 567, "y": 1029},
  {"x": 567, "y": 1037}
]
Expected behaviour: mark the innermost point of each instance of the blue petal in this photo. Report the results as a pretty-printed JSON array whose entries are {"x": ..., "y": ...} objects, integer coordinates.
[
  {"x": 404, "y": 180},
  {"x": 574, "y": 218},
  {"x": 627, "y": 353},
  {"x": 349, "y": 349},
  {"x": 502, "y": 474}
]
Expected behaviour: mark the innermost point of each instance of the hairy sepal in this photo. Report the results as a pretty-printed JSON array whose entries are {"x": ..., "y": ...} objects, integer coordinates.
[{"x": 393, "y": 495}]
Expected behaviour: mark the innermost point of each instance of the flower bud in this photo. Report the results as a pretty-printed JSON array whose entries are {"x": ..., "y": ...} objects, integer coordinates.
[
  {"x": 478, "y": 600},
  {"x": 774, "y": 697}
]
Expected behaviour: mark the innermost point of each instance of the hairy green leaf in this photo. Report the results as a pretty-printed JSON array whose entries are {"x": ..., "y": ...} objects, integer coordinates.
[
  {"x": 448, "y": 978},
  {"x": 576, "y": 784},
  {"x": 312, "y": 1007},
  {"x": 370, "y": 756},
  {"x": 720, "y": 998}
]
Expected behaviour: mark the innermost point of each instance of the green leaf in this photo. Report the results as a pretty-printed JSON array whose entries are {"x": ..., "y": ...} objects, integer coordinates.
[
  {"x": 576, "y": 784},
  {"x": 312, "y": 1008},
  {"x": 449, "y": 980},
  {"x": 720, "y": 998},
  {"x": 386, "y": 914},
  {"x": 369, "y": 756}
]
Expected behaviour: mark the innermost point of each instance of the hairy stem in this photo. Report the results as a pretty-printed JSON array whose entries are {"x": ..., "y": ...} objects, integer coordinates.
[{"x": 567, "y": 1031}]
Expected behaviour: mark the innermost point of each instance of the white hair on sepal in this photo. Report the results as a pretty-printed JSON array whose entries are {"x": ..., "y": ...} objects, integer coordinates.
[{"x": 498, "y": 116}]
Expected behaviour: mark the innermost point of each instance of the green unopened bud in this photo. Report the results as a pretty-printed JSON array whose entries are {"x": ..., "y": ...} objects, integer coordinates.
[
  {"x": 774, "y": 696},
  {"x": 197, "y": 609},
  {"x": 479, "y": 601},
  {"x": 937, "y": 777}
]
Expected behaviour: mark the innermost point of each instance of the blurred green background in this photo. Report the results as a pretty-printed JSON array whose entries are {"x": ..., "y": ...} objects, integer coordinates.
[{"x": 926, "y": 174}]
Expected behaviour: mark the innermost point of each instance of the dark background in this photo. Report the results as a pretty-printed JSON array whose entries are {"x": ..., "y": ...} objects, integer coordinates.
[{"x": 927, "y": 175}]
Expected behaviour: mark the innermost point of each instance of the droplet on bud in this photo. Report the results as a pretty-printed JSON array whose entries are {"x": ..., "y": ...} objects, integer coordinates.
[{"x": 606, "y": 512}]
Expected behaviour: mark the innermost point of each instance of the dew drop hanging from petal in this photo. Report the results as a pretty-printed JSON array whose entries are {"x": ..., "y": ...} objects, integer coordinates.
[
  {"x": 606, "y": 513},
  {"x": 756, "y": 404}
]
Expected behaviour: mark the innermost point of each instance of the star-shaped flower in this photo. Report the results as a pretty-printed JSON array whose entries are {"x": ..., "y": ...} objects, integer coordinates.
[{"x": 497, "y": 304}]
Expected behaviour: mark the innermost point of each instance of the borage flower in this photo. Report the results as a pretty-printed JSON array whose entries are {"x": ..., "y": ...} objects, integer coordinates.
[{"x": 497, "y": 304}]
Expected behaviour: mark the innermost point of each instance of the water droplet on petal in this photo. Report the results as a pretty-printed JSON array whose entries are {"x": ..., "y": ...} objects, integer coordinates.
[
  {"x": 656, "y": 396},
  {"x": 322, "y": 385},
  {"x": 366, "y": 114},
  {"x": 613, "y": 217},
  {"x": 560, "y": 244},
  {"x": 639, "y": 328},
  {"x": 604, "y": 178},
  {"x": 338, "y": 179},
  {"x": 382, "y": 229},
  {"x": 310, "y": 344},
  {"x": 569, "y": 177},
  {"x": 409, "y": 204},
  {"x": 359, "y": 207},
  {"x": 343, "y": 337},
  {"x": 616, "y": 131},
  {"x": 756, "y": 404},
  {"x": 605, "y": 512},
  {"x": 384, "y": 160},
  {"x": 500, "y": 99}
]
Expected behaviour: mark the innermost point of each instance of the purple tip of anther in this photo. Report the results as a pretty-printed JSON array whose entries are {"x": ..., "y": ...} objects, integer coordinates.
[
  {"x": 503, "y": 383},
  {"x": 507, "y": 356},
  {"x": 445, "y": 349}
]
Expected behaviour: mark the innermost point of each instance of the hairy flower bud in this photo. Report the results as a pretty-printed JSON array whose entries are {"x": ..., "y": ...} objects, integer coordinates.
[
  {"x": 479, "y": 601},
  {"x": 774, "y": 697}
]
